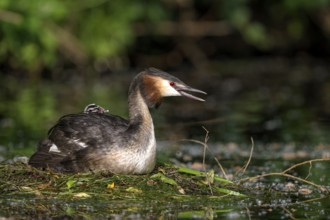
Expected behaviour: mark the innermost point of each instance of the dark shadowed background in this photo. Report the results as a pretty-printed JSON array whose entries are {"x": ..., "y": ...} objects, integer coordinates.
[{"x": 264, "y": 64}]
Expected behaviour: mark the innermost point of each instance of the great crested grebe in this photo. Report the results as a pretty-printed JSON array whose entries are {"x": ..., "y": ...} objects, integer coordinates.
[
  {"x": 104, "y": 142},
  {"x": 93, "y": 108}
]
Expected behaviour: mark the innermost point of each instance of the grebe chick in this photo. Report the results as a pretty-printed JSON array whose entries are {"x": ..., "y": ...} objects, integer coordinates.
[
  {"x": 105, "y": 142},
  {"x": 93, "y": 108}
]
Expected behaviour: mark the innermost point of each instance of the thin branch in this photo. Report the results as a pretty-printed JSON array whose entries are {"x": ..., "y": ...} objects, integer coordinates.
[
  {"x": 204, "y": 144},
  {"x": 194, "y": 141},
  {"x": 221, "y": 168},
  {"x": 248, "y": 212},
  {"x": 283, "y": 173},
  {"x": 286, "y": 175},
  {"x": 204, "y": 155},
  {"x": 210, "y": 187},
  {"x": 305, "y": 162},
  {"x": 250, "y": 157},
  {"x": 309, "y": 170},
  {"x": 289, "y": 212},
  {"x": 293, "y": 203}
]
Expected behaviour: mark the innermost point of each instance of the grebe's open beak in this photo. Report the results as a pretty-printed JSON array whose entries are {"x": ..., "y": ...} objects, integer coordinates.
[{"x": 183, "y": 89}]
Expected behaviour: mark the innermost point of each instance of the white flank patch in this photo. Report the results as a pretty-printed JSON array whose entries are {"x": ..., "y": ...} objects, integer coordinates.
[
  {"x": 168, "y": 90},
  {"x": 81, "y": 144},
  {"x": 54, "y": 148},
  {"x": 148, "y": 155}
]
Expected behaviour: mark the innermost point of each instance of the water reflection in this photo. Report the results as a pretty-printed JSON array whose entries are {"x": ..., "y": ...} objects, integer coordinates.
[{"x": 204, "y": 208}]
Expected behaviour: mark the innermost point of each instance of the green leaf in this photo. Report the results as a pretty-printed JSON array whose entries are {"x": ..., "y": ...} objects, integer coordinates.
[
  {"x": 229, "y": 192},
  {"x": 134, "y": 190},
  {"x": 70, "y": 183},
  {"x": 203, "y": 174},
  {"x": 164, "y": 179}
]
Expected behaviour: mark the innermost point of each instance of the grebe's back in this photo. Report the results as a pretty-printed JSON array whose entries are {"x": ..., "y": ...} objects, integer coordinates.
[{"x": 74, "y": 136}]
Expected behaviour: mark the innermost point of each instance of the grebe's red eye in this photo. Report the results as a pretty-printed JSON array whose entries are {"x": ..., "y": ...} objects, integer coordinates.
[{"x": 172, "y": 83}]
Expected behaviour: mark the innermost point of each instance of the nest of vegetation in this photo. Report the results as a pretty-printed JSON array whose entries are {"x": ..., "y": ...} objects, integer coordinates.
[{"x": 165, "y": 183}]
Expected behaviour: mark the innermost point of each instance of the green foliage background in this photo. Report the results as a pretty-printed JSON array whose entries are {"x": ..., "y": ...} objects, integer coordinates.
[
  {"x": 36, "y": 34},
  {"x": 40, "y": 34},
  {"x": 53, "y": 54}
]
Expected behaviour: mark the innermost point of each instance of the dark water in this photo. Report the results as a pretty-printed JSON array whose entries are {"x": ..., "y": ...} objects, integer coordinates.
[
  {"x": 272, "y": 99},
  {"x": 201, "y": 208}
]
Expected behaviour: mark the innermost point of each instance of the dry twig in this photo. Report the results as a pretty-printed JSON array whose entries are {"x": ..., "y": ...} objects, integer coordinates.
[
  {"x": 250, "y": 157},
  {"x": 285, "y": 174},
  {"x": 205, "y": 145}
]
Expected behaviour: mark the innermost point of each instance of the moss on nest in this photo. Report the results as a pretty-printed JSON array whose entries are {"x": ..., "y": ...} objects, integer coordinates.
[{"x": 165, "y": 180}]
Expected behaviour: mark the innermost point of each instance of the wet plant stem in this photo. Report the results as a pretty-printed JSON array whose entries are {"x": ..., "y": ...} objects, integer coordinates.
[
  {"x": 205, "y": 147},
  {"x": 285, "y": 174},
  {"x": 249, "y": 160}
]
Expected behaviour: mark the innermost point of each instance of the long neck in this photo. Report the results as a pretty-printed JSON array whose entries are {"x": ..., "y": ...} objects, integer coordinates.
[
  {"x": 139, "y": 115},
  {"x": 141, "y": 137}
]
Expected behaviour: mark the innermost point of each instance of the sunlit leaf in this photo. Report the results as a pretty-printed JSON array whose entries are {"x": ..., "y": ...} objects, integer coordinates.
[
  {"x": 134, "y": 190},
  {"x": 81, "y": 195},
  {"x": 210, "y": 176},
  {"x": 199, "y": 173},
  {"x": 70, "y": 183},
  {"x": 229, "y": 192},
  {"x": 111, "y": 185},
  {"x": 164, "y": 179}
]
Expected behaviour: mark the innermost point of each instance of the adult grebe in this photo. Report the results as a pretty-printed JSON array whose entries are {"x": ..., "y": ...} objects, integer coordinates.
[{"x": 104, "y": 142}]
